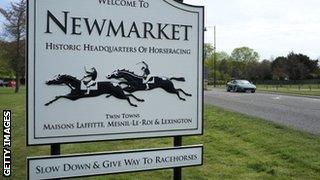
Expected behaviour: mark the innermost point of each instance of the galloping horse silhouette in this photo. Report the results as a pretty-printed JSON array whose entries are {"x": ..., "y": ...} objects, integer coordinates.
[
  {"x": 135, "y": 83},
  {"x": 76, "y": 93}
]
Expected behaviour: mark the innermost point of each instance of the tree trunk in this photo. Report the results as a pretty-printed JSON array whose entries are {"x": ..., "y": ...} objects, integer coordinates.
[
  {"x": 17, "y": 82},
  {"x": 18, "y": 55}
]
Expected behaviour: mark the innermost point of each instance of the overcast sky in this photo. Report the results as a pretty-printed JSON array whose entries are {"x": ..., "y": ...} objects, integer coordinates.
[{"x": 271, "y": 27}]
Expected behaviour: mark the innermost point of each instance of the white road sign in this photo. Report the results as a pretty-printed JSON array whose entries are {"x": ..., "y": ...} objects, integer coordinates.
[
  {"x": 106, "y": 70},
  {"x": 116, "y": 162}
]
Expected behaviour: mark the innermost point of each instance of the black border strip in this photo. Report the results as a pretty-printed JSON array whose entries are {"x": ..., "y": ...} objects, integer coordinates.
[
  {"x": 118, "y": 152},
  {"x": 65, "y": 142}
]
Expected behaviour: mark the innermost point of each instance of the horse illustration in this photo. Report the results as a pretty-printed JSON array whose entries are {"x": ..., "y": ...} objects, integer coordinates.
[
  {"x": 76, "y": 92},
  {"x": 135, "y": 83}
]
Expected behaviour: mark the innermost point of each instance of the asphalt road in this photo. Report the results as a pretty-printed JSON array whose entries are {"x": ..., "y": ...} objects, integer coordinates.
[{"x": 301, "y": 113}]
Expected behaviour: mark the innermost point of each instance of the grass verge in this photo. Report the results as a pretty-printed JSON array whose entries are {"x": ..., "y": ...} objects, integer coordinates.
[
  {"x": 236, "y": 146},
  {"x": 306, "y": 90}
]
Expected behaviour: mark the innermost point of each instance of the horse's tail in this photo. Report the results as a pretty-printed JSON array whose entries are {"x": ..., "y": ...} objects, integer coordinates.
[{"x": 182, "y": 79}]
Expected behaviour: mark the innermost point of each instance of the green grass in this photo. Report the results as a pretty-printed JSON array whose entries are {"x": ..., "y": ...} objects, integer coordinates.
[
  {"x": 306, "y": 89},
  {"x": 236, "y": 146}
]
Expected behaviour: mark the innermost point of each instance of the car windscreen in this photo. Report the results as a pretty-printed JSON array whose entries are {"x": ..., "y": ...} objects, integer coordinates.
[{"x": 243, "y": 82}]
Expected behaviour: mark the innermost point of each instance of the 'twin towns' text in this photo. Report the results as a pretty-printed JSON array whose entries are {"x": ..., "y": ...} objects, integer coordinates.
[{"x": 75, "y": 25}]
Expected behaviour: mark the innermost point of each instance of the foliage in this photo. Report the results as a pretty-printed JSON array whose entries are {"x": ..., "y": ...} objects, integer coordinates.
[
  {"x": 5, "y": 70},
  {"x": 244, "y": 54},
  {"x": 10, "y": 63},
  {"x": 209, "y": 64},
  {"x": 15, "y": 28},
  {"x": 243, "y": 63},
  {"x": 295, "y": 67},
  {"x": 264, "y": 70},
  {"x": 208, "y": 50}
]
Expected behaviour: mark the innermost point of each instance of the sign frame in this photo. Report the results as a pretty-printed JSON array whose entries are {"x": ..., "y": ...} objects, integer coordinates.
[
  {"x": 201, "y": 105},
  {"x": 120, "y": 152}
]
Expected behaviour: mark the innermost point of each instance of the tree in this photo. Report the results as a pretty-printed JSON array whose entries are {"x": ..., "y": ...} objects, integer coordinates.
[
  {"x": 251, "y": 70},
  {"x": 208, "y": 50},
  {"x": 279, "y": 68},
  {"x": 245, "y": 54},
  {"x": 301, "y": 66},
  {"x": 244, "y": 60},
  {"x": 222, "y": 65},
  {"x": 223, "y": 56},
  {"x": 295, "y": 67},
  {"x": 264, "y": 70},
  {"x": 209, "y": 66},
  {"x": 15, "y": 28},
  {"x": 5, "y": 70}
]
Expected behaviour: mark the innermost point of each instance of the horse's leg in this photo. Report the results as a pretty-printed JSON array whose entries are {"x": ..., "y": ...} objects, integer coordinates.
[
  {"x": 69, "y": 96},
  {"x": 177, "y": 93},
  {"x": 184, "y": 92},
  {"x": 119, "y": 93},
  {"x": 131, "y": 95},
  {"x": 169, "y": 87},
  {"x": 128, "y": 99},
  {"x": 57, "y": 98}
]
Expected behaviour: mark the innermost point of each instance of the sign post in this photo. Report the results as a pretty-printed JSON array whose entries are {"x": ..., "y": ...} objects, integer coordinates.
[
  {"x": 177, "y": 175},
  {"x": 55, "y": 149}
]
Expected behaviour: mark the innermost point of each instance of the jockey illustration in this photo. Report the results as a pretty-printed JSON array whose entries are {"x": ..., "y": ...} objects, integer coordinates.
[
  {"x": 146, "y": 72},
  {"x": 89, "y": 80}
]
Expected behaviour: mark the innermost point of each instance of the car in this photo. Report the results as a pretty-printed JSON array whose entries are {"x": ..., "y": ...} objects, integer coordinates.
[
  {"x": 4, "y": 83},
  {"x": 241, "y": 86}
]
